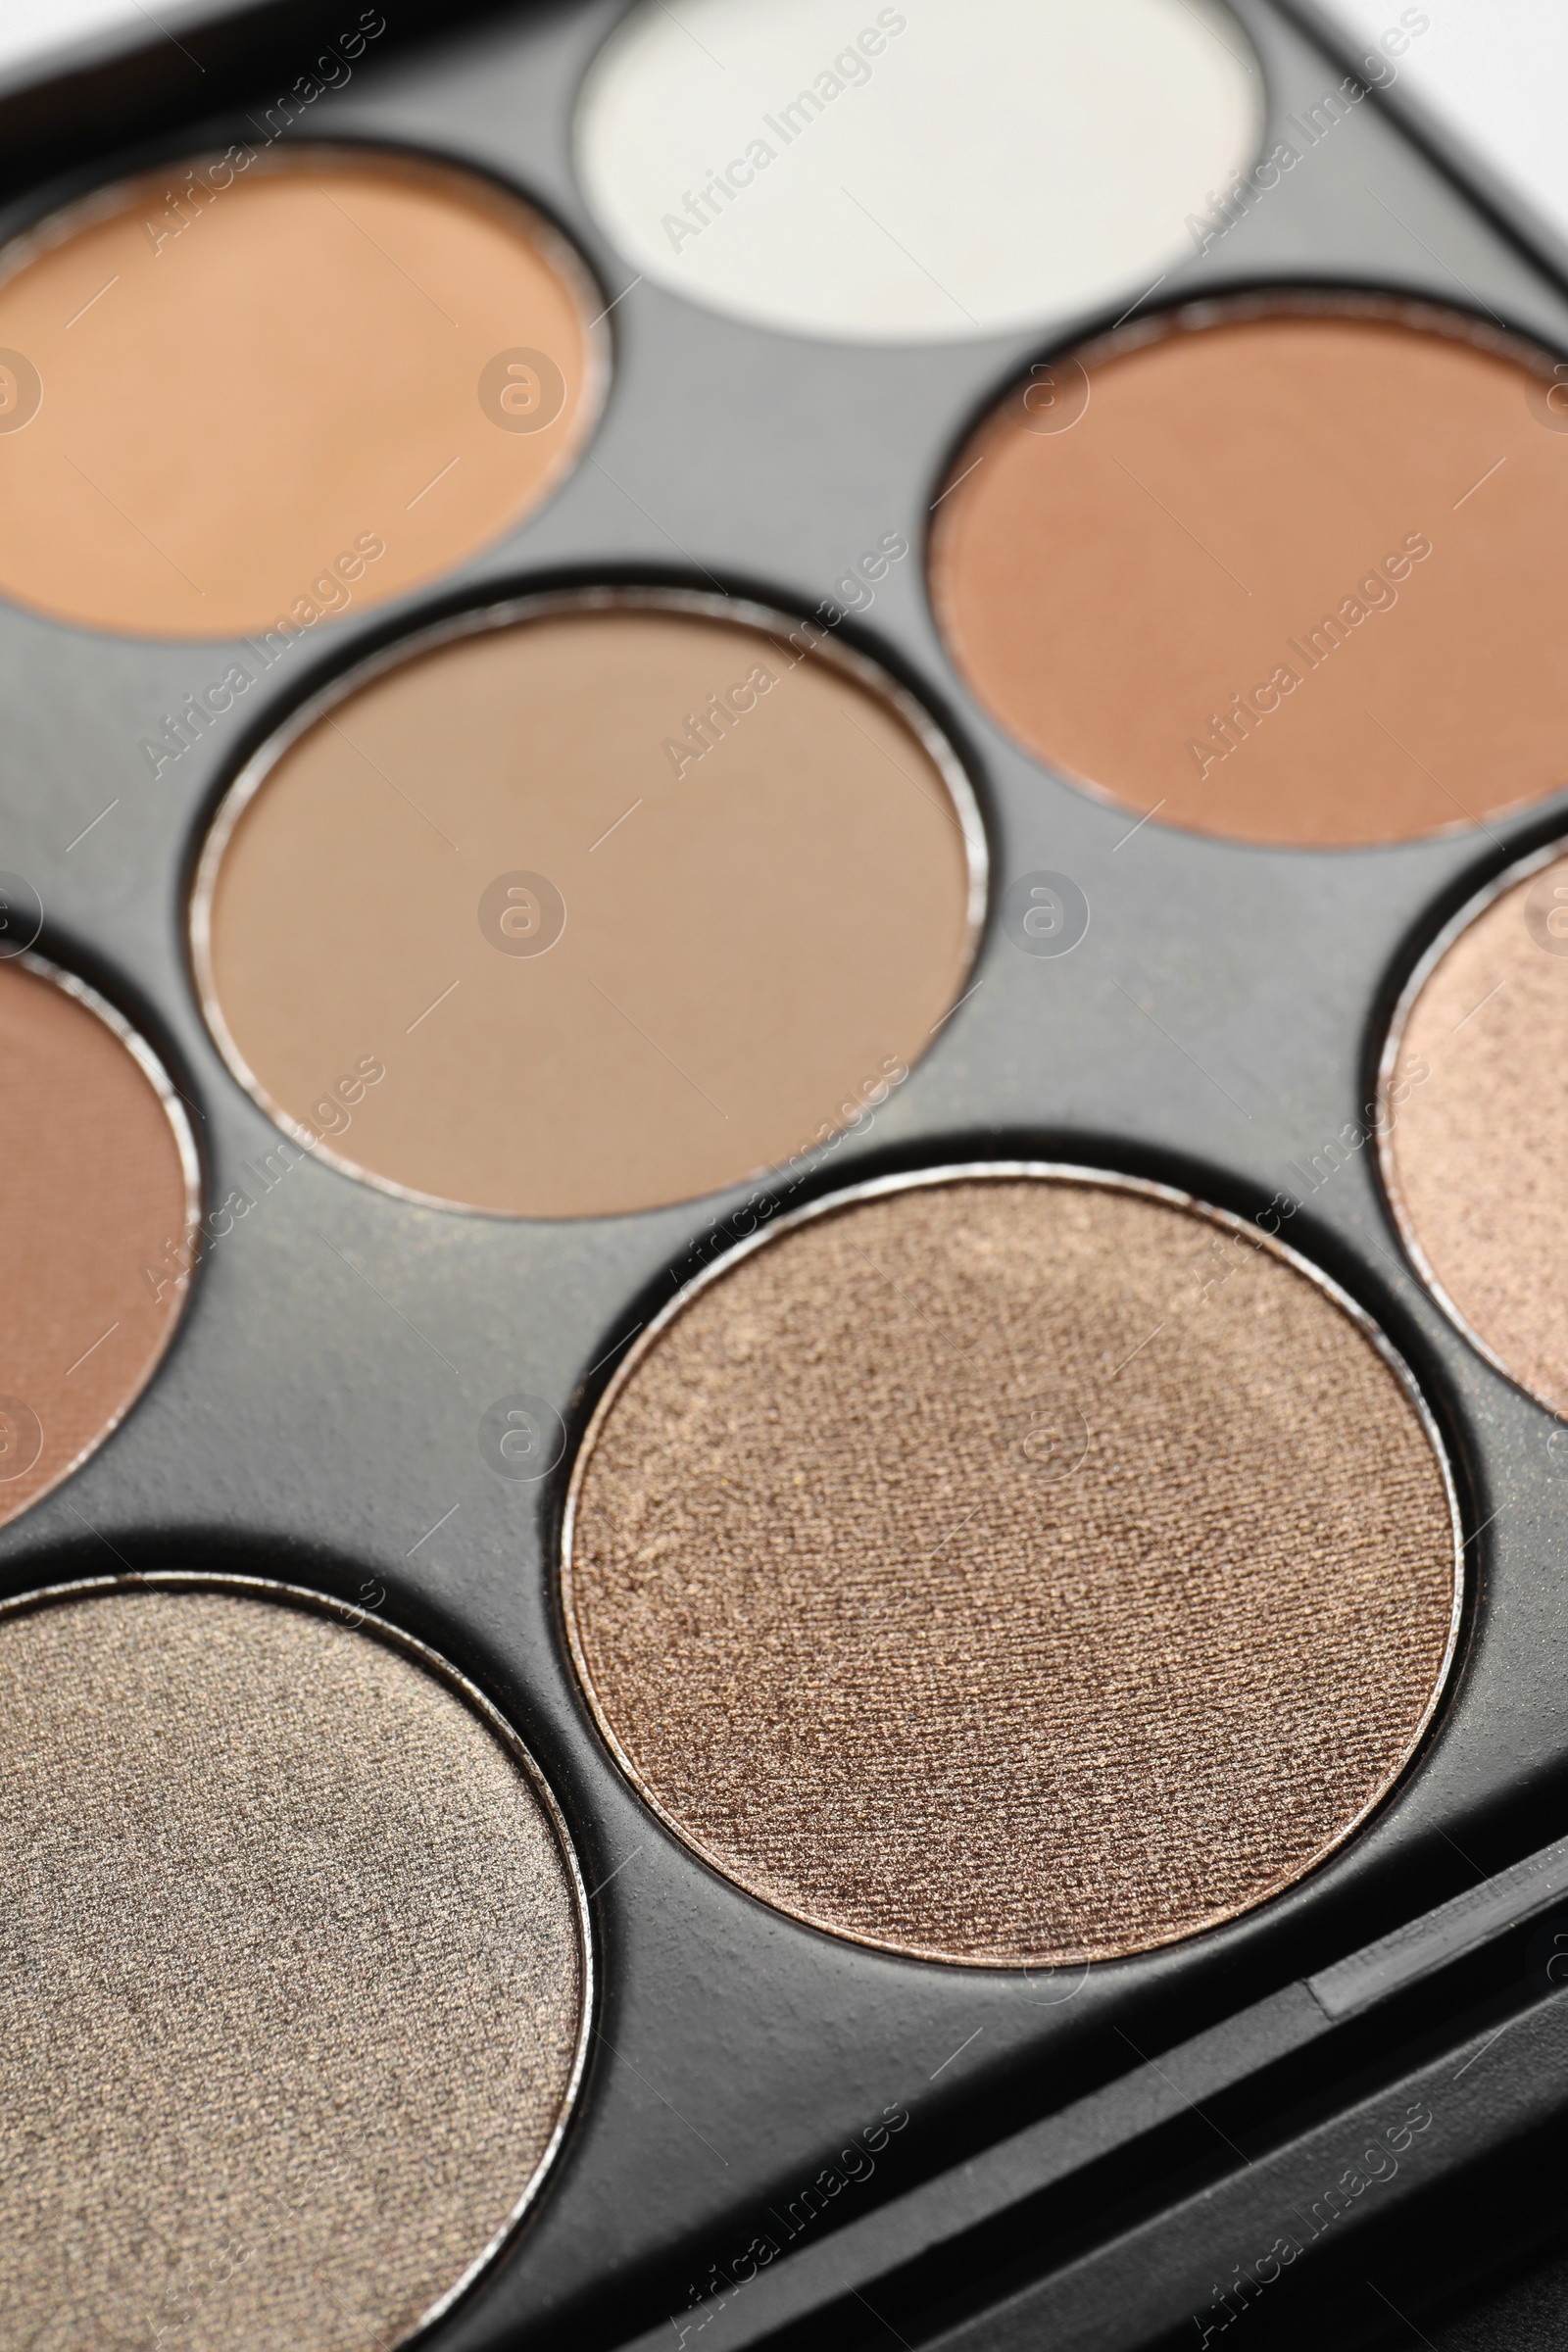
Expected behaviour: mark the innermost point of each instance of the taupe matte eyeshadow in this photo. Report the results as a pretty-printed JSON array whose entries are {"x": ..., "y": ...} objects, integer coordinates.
[
  {"x": 98, "y": 1204},
  {"x": 1241, "y": 572},
  {"x": 248, "y": 394},
  {"x": 600, "y": 908},
  {"x": 1475, "y": 1126},
  {"x": 293, "y": 1978},
  {"x": 1011, "y": 1569}
]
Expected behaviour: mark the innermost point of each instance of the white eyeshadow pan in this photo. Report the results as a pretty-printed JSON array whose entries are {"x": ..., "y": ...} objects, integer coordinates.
[{"x": 917, "y": 172}]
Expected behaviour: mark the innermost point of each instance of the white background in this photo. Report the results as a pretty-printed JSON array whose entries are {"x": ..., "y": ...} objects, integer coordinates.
[{"x": 1497, "y": 70}]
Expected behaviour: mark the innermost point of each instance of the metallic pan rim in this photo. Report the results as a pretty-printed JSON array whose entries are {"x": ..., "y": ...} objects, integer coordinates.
[
  {"x": 1053, "y": 1173},
  {"x": 481, "y": 621},
  {"x": 441, "y": 1670}
]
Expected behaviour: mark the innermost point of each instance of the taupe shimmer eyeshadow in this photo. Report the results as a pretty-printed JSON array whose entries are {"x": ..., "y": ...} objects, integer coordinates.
[
  {"x": 1474, "y": 1129},
  {"x": 250, "y": 391},
  {"x": 590, "y": 905},
  {"x": 98, "y": 1204},
  {"x": 294, "y": 1968},
  {"x": 1238, "y": 570},
  {"x": 1012, "y": 1566}
]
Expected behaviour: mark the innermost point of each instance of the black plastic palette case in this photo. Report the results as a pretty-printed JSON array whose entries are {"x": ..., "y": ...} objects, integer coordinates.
[{"x": 783, "y": 989}]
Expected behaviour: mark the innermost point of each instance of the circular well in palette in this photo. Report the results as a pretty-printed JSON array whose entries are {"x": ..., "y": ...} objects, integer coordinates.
[
  {"x": 238, "y": 396},
  {"x": 1474, "y": 1129},
  {"x": 296, "y": 1964},
  {"x": 99, "y": 1199},
  {"x": 1012, "y": 1565},
  {"x": 1284, "y": 570},
  {"x": 589, "y": 903}
]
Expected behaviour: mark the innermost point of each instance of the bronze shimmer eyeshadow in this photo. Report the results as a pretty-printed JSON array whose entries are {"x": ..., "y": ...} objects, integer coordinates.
[
  {"x": 296, "y": 1971},
  {"x": 99, "y": 1202},
  {"x": 1474, "y": 1127},
  {"x": 590, "y": 905},
  {"x": 1012, "y": 1566},
  {"x": 246, "y": 394},
  {"x": 1244, "y": 569}
]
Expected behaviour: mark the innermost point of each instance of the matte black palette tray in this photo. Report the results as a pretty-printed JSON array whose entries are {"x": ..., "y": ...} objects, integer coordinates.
[{"x": 1084, "y": 2157}]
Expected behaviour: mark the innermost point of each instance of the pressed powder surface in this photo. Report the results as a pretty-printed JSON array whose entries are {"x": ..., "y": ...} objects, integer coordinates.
[
  {"x": 926, "y": 172},
  {"x": 1011, "y": 1570},
  {"x": 1243, "y": 504},
  {"x": 96, "y": 1202},
  {"x": 288, "y": 405},
  {"x": 292, "y": 1976},
  {"x": 1476, "y": 1128},
  {"x": 592, "y": 982}
]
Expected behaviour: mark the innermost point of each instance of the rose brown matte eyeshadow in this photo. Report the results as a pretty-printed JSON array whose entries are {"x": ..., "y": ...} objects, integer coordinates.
[
  {"x": 294, "y": 1972},
  {"x": 98, "y": 1203},
  {"x": 1011, "y": 1569},
  {"x": 1288, "y": 577},
  {"x": 1475, "y": 1125},
  {"x": 591, "y": 911},
  {"x": 241, "y": 399}
]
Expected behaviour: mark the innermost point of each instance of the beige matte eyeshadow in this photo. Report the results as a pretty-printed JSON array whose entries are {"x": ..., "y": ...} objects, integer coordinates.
[
  {"x": 98, "y": 1204},
  {"x": 241, "y": 398},
  {"x": 1011, "y": 1569},
  {"x": 591, "y": 911},
  {"x": 1475, "y": 1129},
  {"x": 1284, "y": 578},
  {"x": 293, "y": 1974}
]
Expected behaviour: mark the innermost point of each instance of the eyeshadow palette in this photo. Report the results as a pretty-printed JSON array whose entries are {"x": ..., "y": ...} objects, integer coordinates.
[{"x": 782, "y": 963}]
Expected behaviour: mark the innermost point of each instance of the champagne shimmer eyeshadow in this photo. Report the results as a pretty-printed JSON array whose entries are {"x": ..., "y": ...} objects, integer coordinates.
[
  {"x": 250, "y": 393},
  {"x": 1013, "y": 1567},
  {"x": 294, "y": 1970},
  {"x": 1241, "y": 571},
  {"x": 1475, "y": 1124},
  {"x": 98, "y": 1203},
  {"x": 590, "y": 907}
]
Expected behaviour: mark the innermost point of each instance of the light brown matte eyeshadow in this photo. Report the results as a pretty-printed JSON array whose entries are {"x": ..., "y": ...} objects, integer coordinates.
[
  {"x": 98, "y": 1204},
  {"x": 293, "y": 1978},
  {"x": 598, "y": 966},
  {"x": 1011, "y": 1570},
  {"x": 1475, "y": 1125},
  {"x": 1287, "y": 578},
  {"x": 264, "y": 399}
]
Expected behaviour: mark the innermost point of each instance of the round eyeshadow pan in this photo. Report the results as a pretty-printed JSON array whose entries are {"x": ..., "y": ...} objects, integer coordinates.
[
  {"x": 244, "y": 395},
  {"x": 1207, "y": 569},
  {"x": 99, "y": 1199},
  {"x": 295, "y": 1972},
  {"x": 1012, "y": 1566},
  {"x": 595, "y": 903},
  {"x": 919, "y": 174},
  {"x": 1474, "y": 1130}
]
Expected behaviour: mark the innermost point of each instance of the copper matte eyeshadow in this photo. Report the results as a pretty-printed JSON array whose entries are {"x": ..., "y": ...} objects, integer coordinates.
[{"x": 1242, "y": 569}]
